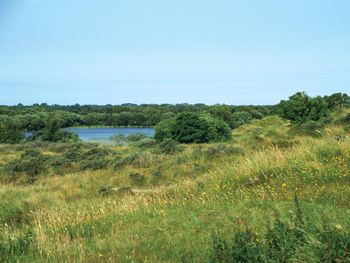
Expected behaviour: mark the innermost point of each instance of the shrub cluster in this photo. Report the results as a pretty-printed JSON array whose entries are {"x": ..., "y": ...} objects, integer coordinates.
[{"x": 190, "y": 127}]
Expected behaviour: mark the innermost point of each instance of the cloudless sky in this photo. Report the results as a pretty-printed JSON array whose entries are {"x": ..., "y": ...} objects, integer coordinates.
[{"x": 172, "y": 51}]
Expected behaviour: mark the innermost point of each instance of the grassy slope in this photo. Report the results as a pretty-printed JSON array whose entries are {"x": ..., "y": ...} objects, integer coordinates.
[{"x": 196, "y": 194}]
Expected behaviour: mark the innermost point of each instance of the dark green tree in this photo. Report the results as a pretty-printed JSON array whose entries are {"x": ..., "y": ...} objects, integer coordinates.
[
  {"x": 53, "y": 130},
  {"x": 337, "y": 99},
  {"x": 240, "y": 117},
  {"x": 190, "y": 127},
  {"x": 10, "y": 130},
  {"x": 222, "y": 112},
  {"x": 301, "y": 108}
]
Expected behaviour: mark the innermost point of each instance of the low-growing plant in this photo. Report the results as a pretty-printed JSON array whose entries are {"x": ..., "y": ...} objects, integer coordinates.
[
  {"x": 94, "y": 159},
  {"x": 127, "y": 160},
  {"x": 135, "y": 137},
  {"x": 31, "y": 163},
  {"x": 144, "y": 143},
  {"x": 222, "y": 149},
  {"x": 15, "y": 247},
  {"x": 168, "y": 146},
  {"x": 137, "y": 179}
]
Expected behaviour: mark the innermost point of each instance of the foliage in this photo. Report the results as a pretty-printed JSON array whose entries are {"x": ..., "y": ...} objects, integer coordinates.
[
  {"x": 135, "y": 137},
  {"x": 168, "y": 146},
  {"x": 137, "y": 179},
  {"x": 94, "y": 159},
  {"x": 301, "y": 108},
  {"x": 31, "y": 163},
  {"x": 163, "y": 207},
  {"x": 224, "y": 113},
  {"x": 52, "y": 131},
  {"x": 10, "y": 131},
  {"x": 337, "y": 99},
  {"x": 165, "y": 129},
  {"x": 193, "y": 128},
  {"x": 145, "y": 143},
  {"x": 241, "y": 117}
]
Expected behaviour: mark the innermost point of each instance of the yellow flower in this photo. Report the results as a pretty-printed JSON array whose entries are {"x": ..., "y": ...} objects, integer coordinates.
[{"x": 284, "y": 184}]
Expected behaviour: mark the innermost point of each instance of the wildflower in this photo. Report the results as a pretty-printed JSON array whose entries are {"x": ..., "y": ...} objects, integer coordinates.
[{"x": 284, "y": 184}]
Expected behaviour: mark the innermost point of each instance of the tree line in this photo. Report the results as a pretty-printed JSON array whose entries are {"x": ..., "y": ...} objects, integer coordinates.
[{"x": 185, "y": 123}]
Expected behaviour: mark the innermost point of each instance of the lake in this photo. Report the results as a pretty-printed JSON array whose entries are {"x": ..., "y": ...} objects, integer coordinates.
[{"x": 103, "y": 134}]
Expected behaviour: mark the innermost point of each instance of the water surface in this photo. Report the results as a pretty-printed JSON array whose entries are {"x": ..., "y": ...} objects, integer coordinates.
[{"x": 102, "y": 135}]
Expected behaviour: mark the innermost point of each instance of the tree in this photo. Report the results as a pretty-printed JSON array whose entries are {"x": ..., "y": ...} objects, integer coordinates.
[
  {"x": 224, "y": 113},
  {"x": 240, "y": 117},
  {"x": 189, "y": 127},
  {"x": 164, "y": 129},
  {"x": 337, "y": 99},
  {"x": 53, "y": 132},
  {"x": 10, "y": 130},
  {"x": 301, "y": 108}
]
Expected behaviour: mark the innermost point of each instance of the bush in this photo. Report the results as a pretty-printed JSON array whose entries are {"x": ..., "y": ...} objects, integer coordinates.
[
  {"x": 135, "y": 137},
  {"x": 10, "y": 131},
  {"x": 192, "y": 127},
  {"x": 168, "y": 146},
  {"x": 301, "y": 108},
  {"x": 119, "y": 139},
  {"x": 73, "y": 153},
  {"x": 309, "y": 128},
  {"x": 94, "y": 159},
  {"x": 240, "y": 118},
  {"x": 31, "y": 163},
  {"x": 145, "y": 143},
  {"x": 52, "y": 131},
  {"x": 137, "y": 179},
  {"x": 164, "y": 129},
  {"x": 127, "y": 160}
]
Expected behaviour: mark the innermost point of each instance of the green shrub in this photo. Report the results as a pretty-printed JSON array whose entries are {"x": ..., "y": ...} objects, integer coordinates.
[
  {"x": 127, "y": 160},
  {"x": 145, "y": 143},
  {"x": 300, "y": 108},
  {"x": 190, "y": 127},
  {"x": 73, "y": 153},
  {"x": 240, "y": 118},
  {"x": 137, "y": 179},
  {"x": 10, "y": 130},
  {"x": 31, "y": 163},
  {"x": 168, "y": 146},
  {"x": 135, "y": 137},
  {"x": 94, "y": 159},
  {"x": 119, "y": 139},
  {"x": 164, "y": 129}
]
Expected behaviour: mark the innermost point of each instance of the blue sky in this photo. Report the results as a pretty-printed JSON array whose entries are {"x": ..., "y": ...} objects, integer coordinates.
[{"x": 162, "y": 51}]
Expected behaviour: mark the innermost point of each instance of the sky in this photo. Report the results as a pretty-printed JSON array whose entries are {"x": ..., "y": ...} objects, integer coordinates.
[{"x": 167, "y": 51}]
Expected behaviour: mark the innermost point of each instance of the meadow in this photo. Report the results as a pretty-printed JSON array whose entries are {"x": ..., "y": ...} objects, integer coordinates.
[{"x": 274, "y": 192}]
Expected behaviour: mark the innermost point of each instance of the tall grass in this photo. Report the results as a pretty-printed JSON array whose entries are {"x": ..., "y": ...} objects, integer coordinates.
[{"x": 233, "y": 202}]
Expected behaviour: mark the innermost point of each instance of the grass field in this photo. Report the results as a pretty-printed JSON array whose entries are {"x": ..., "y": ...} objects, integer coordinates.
[{"x": 272, "y": 194}]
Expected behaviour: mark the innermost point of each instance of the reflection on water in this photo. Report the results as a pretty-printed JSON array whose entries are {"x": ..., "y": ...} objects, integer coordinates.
[{"x": 103, "y": 134}]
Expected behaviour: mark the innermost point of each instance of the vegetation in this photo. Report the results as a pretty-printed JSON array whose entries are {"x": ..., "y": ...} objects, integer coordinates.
[
  {"x": 276, "y": 190},
  {"x": 191, "y": 127}
]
